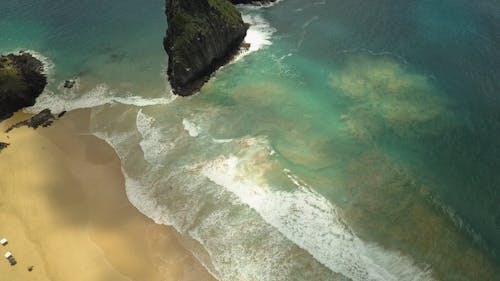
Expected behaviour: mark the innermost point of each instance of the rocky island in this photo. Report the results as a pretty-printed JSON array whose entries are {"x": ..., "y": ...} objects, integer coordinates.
[
  {"x": 202, "y": 35},
  {"x": 21, "y": 82}
]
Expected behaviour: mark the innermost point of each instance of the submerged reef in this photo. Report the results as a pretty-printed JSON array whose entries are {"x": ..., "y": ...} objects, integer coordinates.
[
  {"x": 202, "y": 35},
  {"x": 21, "y": 82},
  {"x": 381, "y": 95}
]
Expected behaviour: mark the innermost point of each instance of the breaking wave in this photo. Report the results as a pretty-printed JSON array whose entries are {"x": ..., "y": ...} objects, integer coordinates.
[
  {"x": 258, "y": 34},
  {"x": 312, "y": 222},
  {"x": 249, "y": 229},
  {"x": 98, "y": 96}
]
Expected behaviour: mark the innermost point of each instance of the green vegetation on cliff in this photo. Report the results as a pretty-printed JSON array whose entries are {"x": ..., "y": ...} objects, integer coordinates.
[
  {"x": 202, "y": 35},
  {"x": 191, "y": 25},
  {"x": 21, "y": 82},
  {"x": 10, "y": 77},
  {"x": 227, "y": 10},
  {"x": 194, "y": 25}
]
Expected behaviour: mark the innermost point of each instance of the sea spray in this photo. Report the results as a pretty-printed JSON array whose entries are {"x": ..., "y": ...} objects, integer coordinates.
[{"x": 258, "y": 34}]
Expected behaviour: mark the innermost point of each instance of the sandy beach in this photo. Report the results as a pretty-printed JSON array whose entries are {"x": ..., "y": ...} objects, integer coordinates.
[{"x": 64, "y": 210}]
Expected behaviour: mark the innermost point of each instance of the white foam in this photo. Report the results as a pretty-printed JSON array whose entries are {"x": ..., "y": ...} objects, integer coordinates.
[
  {"x": 219, "y": 230},
  {"x": 72, "y": 90},
  {"x": 48, "y": 65},
  {"x": 141, "y": 196},
  {"x": 222, "y": 140},
  {"x": 209, "y": 211},
  {"x": 256, "y": 6},
  {"x": 98, "y": 96},
  {"x": 224, "y": 238},
  {"x": 301, "y": 217},
  {"x": 258, "y": 35},
  {"x": 191, "y": 127},
  {"x": 138, "y": 195},
  {"x": 153, "y": 145},
  {"x": 310, "y": 221},
  {"x": 142, "y": 199}
]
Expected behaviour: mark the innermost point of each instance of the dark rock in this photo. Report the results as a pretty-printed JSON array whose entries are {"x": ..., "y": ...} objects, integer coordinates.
[
  {"x": 202, "y": 35},
  {"x": 245, "y": 46},
  {"x": 61, "y": 114},
  {"x": 12, "y": 260},
  {"x": 43, "y": 119},
  {"x": 3, "y": 145},
  {"x": 21, "y": 82},
  {"x": 68, "y": 84}
]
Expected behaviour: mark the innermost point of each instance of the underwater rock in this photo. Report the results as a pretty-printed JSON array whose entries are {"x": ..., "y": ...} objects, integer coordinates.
[
  {"x": 21, "y": 82},
  {"x": 68, "y": 84},
  {"x": 202, "y": 36}
]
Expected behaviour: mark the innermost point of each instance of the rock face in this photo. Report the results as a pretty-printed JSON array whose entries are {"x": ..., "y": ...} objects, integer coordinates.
[
  {"x": 21, "y": 82},
  {"x": 202, "y": 35}
]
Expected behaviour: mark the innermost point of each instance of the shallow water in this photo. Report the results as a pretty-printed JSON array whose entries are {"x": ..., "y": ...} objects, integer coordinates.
[{"x": 359, "y": 142}]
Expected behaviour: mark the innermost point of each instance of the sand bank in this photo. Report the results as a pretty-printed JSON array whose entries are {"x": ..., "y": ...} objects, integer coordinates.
[{"x": 64, "y": 210}]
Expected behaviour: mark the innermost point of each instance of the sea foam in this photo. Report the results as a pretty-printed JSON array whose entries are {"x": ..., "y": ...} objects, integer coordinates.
[
  {"x": 48, "y": 65},
  {"x": 71, "y": 99},
  {"x": 180, "y": 195},
  {"x": 258, "y": 35},
  {"x": 312, "y": 222},
  {"x": 153, "y": 147},
  {"x": 259, "y": 5},
  {"x": 98, "y": 96},
  {"x": 190, "y": 127},
  {"x": 209, "y": 201}
]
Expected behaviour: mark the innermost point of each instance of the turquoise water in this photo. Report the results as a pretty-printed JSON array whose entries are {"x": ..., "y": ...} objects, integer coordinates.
[{"x": 361, "y": 144}]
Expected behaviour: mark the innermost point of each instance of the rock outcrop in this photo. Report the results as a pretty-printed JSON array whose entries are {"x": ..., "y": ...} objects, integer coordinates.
[
  {"x": 21, "y": 82},
  {"x": 202, "y": 35},
  {"x": 44, "y": 119},
  {"x": 3, "y": 145}
]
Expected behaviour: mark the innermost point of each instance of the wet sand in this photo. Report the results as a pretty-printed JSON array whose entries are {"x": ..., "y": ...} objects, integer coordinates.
[{"x": 64, "y": 210}]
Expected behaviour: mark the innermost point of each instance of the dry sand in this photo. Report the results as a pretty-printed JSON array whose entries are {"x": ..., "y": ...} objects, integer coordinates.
[{"x": 64, "y": 210}]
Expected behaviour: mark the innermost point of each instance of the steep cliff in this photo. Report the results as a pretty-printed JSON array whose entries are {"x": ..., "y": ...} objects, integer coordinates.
[
  {"x": 21, "y": 82},
  {"x": 202, "y": 35}
]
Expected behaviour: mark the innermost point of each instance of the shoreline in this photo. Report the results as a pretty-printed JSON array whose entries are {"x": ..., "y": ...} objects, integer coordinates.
[{"x": 64, "y": 210}]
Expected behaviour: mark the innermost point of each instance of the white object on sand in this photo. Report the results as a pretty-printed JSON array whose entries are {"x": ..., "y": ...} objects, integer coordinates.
[
  {"x": 4, "y": 241},
  {"x": 8, "y": 255}
]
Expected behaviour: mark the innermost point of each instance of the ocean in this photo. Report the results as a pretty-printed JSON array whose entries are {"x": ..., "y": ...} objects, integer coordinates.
[{"x": 358, "y": 140}]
